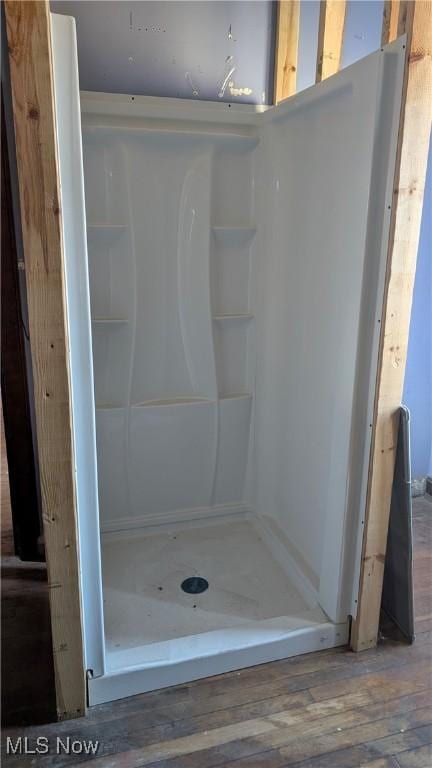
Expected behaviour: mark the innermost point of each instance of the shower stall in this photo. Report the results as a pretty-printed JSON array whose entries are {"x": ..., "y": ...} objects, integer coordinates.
[{"x": 224, "y": 278}]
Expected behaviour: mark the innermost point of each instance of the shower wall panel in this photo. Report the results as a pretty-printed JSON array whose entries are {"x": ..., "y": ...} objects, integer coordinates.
[
  {"x": 170, "y": 230},
  {"x": 324, "y": 194}
]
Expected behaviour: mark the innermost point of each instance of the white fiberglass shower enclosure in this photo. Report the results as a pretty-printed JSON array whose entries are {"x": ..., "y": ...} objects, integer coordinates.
[{"x": 224, "y": 282}]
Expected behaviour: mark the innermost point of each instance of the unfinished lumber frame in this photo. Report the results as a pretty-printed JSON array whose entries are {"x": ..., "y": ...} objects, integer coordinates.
[
  {"x": 330, "y": 38},
  {"x": 390, "y": 26},
  {"x": 29, "y": 42},
  {"x": 286, "y": 49},
  {"x": 408, "y": 190}
]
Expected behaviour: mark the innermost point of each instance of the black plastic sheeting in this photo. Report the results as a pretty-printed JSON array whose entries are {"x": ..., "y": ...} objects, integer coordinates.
[{"x": 398, "y": 596}]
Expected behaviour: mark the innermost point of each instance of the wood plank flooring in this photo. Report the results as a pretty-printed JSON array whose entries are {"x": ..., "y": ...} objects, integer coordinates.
[{"x": 322, "y": 710}]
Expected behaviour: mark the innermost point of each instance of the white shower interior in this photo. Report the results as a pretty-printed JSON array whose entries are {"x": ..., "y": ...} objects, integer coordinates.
[{"x": 235, "y": 266}]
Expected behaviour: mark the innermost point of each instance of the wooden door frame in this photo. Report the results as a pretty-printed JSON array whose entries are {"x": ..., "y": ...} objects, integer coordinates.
[{"x": 31, "y": 77}]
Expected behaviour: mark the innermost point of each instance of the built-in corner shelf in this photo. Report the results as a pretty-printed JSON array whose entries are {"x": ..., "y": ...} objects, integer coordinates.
[
  {"x": 179, "y": 400},
  {"x": 232, "y": 318},
  {"x": 104, "y": 234},
  {"x": 233, "y": 235},
  {"x": 183, "y": 400},
  {"x": 110, "y": 321},
  {"x": 234, "y": 395},
  {"x": 109, "y": 406}
]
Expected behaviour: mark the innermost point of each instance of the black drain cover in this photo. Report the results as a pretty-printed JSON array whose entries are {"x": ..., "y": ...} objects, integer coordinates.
[{"x": 194, "y": 585}]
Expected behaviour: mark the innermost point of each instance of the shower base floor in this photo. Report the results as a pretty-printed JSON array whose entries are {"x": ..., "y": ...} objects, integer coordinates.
[{"x": 158, "y": 635}]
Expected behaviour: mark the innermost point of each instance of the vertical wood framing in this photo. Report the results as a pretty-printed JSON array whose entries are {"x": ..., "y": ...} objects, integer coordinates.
[
  {"x": 330, "y": 38},
  {"x": 286, "y": 50},
  {"x": 29, "y": 41},
  {"x": 390, "y": 21},
  {"x": 394, "y": 20},
  {"x": 413, "y": 146},
  {"x": 403, "y": 17}
]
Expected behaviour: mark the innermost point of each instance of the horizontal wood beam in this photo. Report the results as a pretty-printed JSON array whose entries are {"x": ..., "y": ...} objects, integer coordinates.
[
  {"x": 286, "y": 49},
  {"x": 409, "y": 183},
  {"x": 330, "y": 38},
  {"x": 29, "y": 41}
]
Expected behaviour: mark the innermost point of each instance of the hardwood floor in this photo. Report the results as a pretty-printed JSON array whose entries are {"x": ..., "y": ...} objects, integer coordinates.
[
  {"x": 422, "y": 527},
  {"x": 322, "y": 710}
]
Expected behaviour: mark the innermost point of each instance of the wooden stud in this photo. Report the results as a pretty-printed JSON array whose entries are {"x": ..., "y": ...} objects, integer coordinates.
[
  {"x": 330, "y": 38},
  {"x": 390, "y": 21},
  {"x": 286, "y": 51},
  {"x": 394, "y": 20},
  {"x": 29, "y": 40},
  {"x": 395, "y": 17},
  {"x": 413, "y": 147},
  {"x": 402, "y": 17}
]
